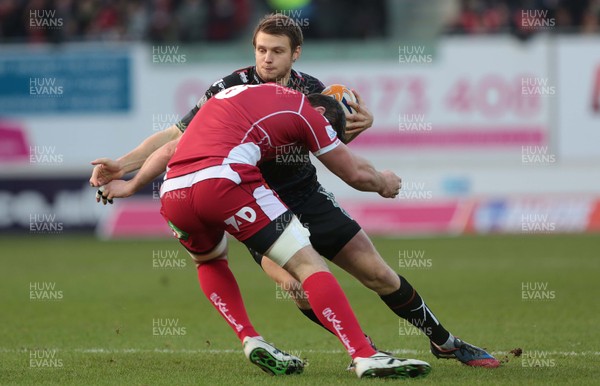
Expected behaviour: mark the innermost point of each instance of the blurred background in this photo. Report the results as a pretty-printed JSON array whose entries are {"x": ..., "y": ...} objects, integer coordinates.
[{"x": 489, "y": 110}]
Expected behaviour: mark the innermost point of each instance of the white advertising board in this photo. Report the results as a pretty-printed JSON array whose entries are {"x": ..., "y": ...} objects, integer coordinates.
[{"x": 578, "y": 117}]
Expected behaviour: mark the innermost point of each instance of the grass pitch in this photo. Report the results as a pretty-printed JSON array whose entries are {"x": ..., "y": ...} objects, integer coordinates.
[{"x": 75, "y": 310}]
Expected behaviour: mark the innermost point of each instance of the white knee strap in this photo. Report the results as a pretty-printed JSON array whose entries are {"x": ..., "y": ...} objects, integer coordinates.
[
  {"x": 294, "y": 238},
  {"x": 216, "y": 251}
]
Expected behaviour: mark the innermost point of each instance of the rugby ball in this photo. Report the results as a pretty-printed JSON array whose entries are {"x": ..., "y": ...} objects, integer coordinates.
[{"x": 342, "y": 94}]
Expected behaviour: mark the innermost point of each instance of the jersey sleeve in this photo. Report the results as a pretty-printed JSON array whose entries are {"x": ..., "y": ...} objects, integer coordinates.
[
  {"x": 320, "y": 137},
  {"x": 234, "y": 79}
]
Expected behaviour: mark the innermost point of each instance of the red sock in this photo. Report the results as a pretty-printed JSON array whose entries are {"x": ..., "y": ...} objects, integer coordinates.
[
  {"x": 221, "y": 288},
  {"x": 333, "y": 310}
]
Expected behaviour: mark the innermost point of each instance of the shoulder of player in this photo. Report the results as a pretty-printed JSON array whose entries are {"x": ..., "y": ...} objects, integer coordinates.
[
  {"x": 237, "y": 77},
  {"x": 247, "y": 75},
  {"x": 313, "y": 83}
]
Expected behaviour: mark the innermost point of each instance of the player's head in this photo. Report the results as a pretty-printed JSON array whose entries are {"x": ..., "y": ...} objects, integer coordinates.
[
  {"x": 277, "y": 45},
  {"x": 332, "y": 111}
]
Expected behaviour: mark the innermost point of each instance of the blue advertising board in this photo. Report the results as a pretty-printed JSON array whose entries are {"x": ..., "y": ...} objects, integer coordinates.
[{"x": 65, "y": 82}]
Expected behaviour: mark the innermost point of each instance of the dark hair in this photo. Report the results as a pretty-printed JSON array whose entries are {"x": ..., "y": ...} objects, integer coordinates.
[
  {"x": 279, "y": 24},
  {"x": 333, "y": 113}
]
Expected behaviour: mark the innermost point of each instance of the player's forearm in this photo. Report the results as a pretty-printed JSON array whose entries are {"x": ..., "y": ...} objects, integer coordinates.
[
  {"x": 365, "y": 177},
  {"x": 154, "y": 166},
  {"x": 353, "y": 170},
  {"x": 134, "y": 160}
]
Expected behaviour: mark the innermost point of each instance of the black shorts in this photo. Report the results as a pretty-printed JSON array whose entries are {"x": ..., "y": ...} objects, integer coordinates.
[{"x": 331, "y": 228}]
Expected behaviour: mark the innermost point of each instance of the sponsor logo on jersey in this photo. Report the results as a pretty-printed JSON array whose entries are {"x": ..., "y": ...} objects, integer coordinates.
[
  {"x": 219, "y": 83},
  {"x": 332, "y": 134},
  {"x": 246, "y": 213}
]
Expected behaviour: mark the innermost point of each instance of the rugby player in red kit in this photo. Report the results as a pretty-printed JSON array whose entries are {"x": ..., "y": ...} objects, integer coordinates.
[{"x": 214, "y": 185}]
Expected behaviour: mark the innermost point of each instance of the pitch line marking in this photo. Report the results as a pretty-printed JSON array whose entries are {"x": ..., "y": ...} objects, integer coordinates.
[{"x": 99, "y": 350}]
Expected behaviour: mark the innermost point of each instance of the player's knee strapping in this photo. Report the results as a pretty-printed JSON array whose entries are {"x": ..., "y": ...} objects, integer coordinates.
[
  {"x": 293, "y": 238},
  {"x": 215, "y": 252}
]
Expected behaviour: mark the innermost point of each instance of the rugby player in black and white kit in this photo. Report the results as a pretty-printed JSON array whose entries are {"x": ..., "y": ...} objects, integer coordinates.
[{"x": 335, "y": 235}]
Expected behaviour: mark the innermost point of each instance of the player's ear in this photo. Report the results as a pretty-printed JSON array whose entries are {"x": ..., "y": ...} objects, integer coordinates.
[
  {"x": 320, "y": 109},
  {"x": 296, "y": 54}
]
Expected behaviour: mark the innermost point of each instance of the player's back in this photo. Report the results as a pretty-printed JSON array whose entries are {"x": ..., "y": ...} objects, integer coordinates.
[{"x": 242, "y": 124}]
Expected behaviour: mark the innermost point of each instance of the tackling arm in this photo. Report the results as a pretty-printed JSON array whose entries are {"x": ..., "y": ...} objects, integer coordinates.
[
  {"x": 360, "y": 173},
  {"x": 154, "y": 166},
  {"x": 135, "y": 159},
  {"x": 107, "y": 170}
]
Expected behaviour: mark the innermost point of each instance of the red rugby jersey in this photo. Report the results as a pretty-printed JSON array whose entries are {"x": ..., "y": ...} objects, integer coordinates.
[{"x": 249, "y": 124}]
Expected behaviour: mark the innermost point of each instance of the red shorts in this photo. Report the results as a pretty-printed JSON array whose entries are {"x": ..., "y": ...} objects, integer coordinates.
[{"x": 201, "y": 206}]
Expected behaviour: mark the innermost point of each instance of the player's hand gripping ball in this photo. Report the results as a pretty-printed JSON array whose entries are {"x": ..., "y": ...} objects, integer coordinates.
[{"x": 342, "y": 94}]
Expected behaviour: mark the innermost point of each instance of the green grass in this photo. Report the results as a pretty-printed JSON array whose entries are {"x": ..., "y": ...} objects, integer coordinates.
[{"x": 100, "y": 332}]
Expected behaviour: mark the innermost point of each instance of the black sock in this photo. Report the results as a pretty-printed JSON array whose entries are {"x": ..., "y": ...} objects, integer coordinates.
[
  {"x": 310, "y": 314},
  {"x": 407, "y": 304}
]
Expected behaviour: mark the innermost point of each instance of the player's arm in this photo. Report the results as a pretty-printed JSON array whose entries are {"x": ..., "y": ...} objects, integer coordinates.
[
  {"x": 360, "y": 173},
  {"x": 153, "y": 167},
  {"x": 321, "y": 139},
  {"x": 359, "y": 121},
  {"x": 106, "y": 170}
]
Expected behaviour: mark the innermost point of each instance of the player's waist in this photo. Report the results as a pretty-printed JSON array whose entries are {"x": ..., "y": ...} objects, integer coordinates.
[
  {"x": 188, "y": 180},
  {"x": 293, "y": 182}
]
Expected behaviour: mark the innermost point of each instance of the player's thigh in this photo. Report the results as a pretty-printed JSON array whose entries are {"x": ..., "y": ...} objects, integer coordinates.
[
  {"x": 248, "y": 210},
  {"x": 331, "y": 228},
  {"x": 252, "y": 213},
  {"x": 199, "y": 215},
  {"x": 197, "y": 234}
]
